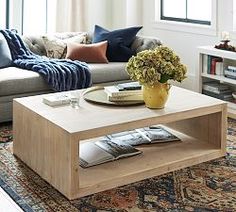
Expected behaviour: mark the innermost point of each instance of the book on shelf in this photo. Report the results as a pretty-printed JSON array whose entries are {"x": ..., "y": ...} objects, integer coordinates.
[
  {"x": 57, "y": 99},
  {"x": 211, "y": 64},
  {"x": 146, "y": 135},
  {"x": 215, "y": 87},
  {"x": 230, "y": 76},
  {"x": 127, "y": 98},
  {"x": 230, "y": 72},
  {"x": 103, "y": 151},
  {"x": 204, "y": 63},
  {"x": 219, "y": 69},
  {"x": 123, "y": 89},
  {"x": 232, "y": 68},
  {"x": 226, "y": 96}
]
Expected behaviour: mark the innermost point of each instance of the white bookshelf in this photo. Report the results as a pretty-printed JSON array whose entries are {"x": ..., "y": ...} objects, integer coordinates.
[{"x": 204, "y": 77}]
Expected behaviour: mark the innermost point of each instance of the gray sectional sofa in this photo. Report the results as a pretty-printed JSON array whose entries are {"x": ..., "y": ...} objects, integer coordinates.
[{"x": 16, "y": 82}]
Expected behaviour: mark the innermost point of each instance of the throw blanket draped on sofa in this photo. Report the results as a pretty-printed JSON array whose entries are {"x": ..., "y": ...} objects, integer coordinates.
[{"x": 61, "y": 74}]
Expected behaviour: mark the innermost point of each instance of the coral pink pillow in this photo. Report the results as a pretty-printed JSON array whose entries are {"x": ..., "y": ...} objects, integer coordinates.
[{"x": 91, "y": 53}]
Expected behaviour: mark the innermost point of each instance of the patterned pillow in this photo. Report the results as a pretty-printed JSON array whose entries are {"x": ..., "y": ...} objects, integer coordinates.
[{"x": 56, "y": 45}]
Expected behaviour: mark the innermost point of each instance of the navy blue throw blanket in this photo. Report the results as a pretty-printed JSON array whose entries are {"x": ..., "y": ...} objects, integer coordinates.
[{"x": 61, "y": 74}]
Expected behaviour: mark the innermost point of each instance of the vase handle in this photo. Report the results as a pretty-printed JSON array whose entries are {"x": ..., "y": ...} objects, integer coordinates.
[{"x": 168, "y": 86}]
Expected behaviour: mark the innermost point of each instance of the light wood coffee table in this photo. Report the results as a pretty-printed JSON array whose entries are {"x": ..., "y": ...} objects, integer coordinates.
[{"x": 47, "y": 139}]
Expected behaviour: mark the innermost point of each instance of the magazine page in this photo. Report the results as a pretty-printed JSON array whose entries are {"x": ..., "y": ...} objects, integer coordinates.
[
  {"x": 117, "y": 148},
  {"x": 132, "y": 137},
  {"x": 90, "y": 155},
  {"x": 158, "y": 134}
]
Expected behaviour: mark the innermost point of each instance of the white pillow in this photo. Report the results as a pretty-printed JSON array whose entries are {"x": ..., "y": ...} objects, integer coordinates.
[{"x": 56, "y": 46}]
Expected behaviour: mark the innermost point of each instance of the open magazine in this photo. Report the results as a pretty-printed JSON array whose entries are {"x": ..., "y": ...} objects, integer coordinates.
[
  {"x": 146, "y": 135},
  {"x": 94, "y": 153},
  {"x": 120, "y": 145}
]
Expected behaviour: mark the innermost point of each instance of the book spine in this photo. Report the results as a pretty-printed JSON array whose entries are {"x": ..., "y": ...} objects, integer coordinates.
[
  {"x": 211, "y": 89},
  {"x": 125, "y": 98},
  {"x": 209, "y": 64},
  {"x": 124, "y": 93},
  {"x": 204, "y": 63},
  {"x": 219, "y": 96},
  {"x": 230, "y": 76},
  {"x": 219, "y": 68},
  {"x": 213, "y": 67}
]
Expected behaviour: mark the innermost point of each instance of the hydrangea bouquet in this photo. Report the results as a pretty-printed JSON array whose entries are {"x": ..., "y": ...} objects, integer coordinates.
[{"x": 158, "y": 65}]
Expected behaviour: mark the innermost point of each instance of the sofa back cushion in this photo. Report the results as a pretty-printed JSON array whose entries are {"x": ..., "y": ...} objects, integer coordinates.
[
  {"x": 90, "y": 53},
  {"x": 47, "y": 45},
  {"x": 5, "y": 54},
  {"x": 36, "y": 44}
]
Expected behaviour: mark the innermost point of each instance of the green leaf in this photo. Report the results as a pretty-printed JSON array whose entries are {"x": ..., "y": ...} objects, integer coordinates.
[{"x": 164, "y": 78}]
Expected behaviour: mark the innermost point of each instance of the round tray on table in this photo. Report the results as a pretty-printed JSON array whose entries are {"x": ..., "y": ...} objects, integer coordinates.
[{"x": 99, "y": 96}]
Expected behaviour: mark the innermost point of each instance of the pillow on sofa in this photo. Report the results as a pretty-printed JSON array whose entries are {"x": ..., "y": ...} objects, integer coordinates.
[
  {"x": 5, "y": 54},
  {"x": 119, "y": 42},
  {"x": 56, "y": 46},
  {"x": 90, "y": 53}
]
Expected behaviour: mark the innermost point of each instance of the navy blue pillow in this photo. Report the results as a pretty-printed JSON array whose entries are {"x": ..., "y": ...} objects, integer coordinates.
[
  {"x": 119, "y": 42},
  {"x": 5, "y": 54}
]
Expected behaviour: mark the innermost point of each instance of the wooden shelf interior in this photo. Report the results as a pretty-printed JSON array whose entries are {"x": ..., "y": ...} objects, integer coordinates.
[
  {"x": 219, "y": 78},
  {"x": 156, "y": 159}
]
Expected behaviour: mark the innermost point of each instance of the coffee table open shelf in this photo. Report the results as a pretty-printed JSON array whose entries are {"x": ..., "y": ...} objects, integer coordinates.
[{"x": 47, "y": 139}]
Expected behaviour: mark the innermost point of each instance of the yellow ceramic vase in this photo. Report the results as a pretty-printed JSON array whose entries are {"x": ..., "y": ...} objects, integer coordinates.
[{"x": 156, "y": 96}]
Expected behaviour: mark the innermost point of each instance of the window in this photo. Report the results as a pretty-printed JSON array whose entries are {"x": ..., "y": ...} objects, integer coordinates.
[
  {"x": 188, "y": 11},
  {"x": 3, "y": 13},
  {"x": 36, "y": 19},
  {"x": 34, "y": 16},
  {"x": 28, "y": 16}
]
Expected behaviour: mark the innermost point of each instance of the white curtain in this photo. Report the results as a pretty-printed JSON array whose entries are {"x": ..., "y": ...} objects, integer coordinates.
[
  {"x": 134, "y": 12},
  {"x": 82, "y": 15},
  {"x": 70, "y": 15}
]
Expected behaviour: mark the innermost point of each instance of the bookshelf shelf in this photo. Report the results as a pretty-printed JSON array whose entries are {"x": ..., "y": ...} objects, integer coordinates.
[
  {"x": 171, "y": 156},
  {"x": 222, "y": 79},
  {"x": 229, "y": 58}
]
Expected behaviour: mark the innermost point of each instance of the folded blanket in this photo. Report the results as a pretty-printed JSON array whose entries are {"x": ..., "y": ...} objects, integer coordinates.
[{"x": 61, "y": 74}]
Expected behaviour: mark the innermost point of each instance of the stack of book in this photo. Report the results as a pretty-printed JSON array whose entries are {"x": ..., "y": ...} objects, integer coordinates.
[
  {"x": 230, "y": 72},
  {"x": 131, "y": 91},
  {"x": 217, "y": 90},
  {"x": 212, "y": 65}
]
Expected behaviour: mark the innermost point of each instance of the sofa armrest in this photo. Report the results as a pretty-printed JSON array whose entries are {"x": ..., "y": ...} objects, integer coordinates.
[{"x": 143, "y": 42}]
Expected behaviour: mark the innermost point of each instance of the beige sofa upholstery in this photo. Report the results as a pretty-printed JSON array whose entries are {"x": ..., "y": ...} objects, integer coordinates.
[{"x": 16, "y": 82}]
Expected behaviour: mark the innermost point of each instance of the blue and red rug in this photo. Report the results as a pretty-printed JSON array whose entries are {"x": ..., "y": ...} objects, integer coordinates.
[{"x": 208, "y": 187}]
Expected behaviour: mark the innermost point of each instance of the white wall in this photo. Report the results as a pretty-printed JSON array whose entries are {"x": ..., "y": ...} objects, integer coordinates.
[
  {"x": 98, "y": 12},
  {"x": 185, "y": 43}
]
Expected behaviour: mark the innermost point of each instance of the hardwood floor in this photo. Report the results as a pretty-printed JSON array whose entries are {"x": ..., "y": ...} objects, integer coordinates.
[{"x": 7, "y": 204}]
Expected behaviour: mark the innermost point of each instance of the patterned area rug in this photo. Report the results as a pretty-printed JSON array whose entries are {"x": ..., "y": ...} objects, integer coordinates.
[{"x": 208, "y": 187}]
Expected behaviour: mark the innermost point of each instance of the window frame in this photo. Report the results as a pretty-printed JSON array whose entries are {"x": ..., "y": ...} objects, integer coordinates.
[
  {"x": 23, "y": 17},
  {"x": 14, "y": 14},
  {"x": 7, "y": 14},
  {"x": 7, "y": 11},
  {"x": 184, "y": 20},
  {"x": 187, "y": 27}
]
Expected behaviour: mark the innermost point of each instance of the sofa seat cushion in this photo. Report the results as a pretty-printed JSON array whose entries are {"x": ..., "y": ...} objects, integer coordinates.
[
  {"x": 113, "y": 71},
  {"x": 16, "y": 81}
]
